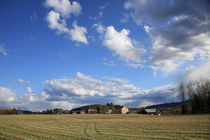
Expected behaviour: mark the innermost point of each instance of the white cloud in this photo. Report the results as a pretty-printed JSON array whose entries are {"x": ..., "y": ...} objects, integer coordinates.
[
  {"x": 69, "y": 92},
  {"x": 29, "y": 90},
  {"x": 22, "y": 81},
  {"x": 6, "y": 94},
  {"x": 179, "y": 33},
  {"x": 146, "y": 103},
  {"x": 196, "y": 73},
  {"x": 147, "y": 28},
  {"x": 122, "y": 45},
  {"x": 99, "y": 28},
  {"x": 82, "y": 89},
  {"x": 107, "y": 62},
  {"x": 57, "y": 19},
  {"x": 78, "y": 33},
  {"x": 64, "y": 7},
  {"x": 3, "y": 50},
  {"x": 82, "y": 85},
  {"x": 61, "y": 104},
  {"x": 56, "y": 23}
]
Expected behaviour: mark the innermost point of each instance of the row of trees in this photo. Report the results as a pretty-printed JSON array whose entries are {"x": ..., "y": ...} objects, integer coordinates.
[
  {"x": 198, "y": 94},
  {"x": 101, "y": 109},
  {"x": 4, "y": 110},
  {"x": 51, "y": 111}
]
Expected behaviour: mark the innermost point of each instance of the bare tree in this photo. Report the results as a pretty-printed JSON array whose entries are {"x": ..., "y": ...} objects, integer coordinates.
[
  {"x": 182, "y": 97},
  {"x": 190, "y": 89}
]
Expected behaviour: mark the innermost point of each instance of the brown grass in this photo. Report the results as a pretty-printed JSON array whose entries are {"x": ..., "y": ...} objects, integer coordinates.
[{"x": 104, "y": 127}]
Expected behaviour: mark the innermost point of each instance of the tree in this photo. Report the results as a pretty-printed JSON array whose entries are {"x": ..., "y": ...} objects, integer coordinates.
[
  {"x": 112, "y": 107},
  {"x": 182, "y": 97},
  {"x": 57, "y": 110},
  {"x": 190, "y": 92},
  {"x": 106, "y": 108},
  {"x": 199, "y": 95},
  {"x": 99, "y": 108}
]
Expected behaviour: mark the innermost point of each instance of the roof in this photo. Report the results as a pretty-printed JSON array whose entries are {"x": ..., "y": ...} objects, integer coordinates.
[
  {"x": 119, "y": 107},
  {"x": 151, "y": 110}
]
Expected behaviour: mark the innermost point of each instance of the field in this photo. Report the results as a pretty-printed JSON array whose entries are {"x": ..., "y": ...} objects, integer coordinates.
[{"x": 104, "y": 127}]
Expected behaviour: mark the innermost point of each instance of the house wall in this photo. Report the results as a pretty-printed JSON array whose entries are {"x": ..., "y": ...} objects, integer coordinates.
[{"x": 124, "y": 110}]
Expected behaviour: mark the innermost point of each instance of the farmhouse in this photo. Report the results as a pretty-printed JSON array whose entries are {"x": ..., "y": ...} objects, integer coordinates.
[
  {"x": 91, "y": 111},
  {"x": 122, "y": 110},
  {"x": 152, "y": 111}
]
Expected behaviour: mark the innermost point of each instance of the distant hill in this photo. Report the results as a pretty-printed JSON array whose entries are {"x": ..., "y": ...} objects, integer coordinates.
[
  {"x": 94, "y": 106},
  {"x": 170, "y": 108},
  {"x": 165, "y": 105}
]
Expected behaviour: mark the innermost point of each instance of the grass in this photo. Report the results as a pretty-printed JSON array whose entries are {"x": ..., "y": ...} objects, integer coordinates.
[{"x": 104, "y": 127}]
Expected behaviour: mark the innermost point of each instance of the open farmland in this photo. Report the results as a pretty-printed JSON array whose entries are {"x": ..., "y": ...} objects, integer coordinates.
[{"x": 104, "y": 127}]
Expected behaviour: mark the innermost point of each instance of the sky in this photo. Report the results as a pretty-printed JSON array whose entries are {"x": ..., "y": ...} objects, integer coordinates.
[{"x": 69, "y": 53}]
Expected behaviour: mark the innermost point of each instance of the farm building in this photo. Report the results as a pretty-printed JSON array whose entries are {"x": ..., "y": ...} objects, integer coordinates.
[
  {"x": 152, "y": 111},
  {"x": 92, "y": 111},
  {"x": 81, "y": 112},
  {"x": 73, "y": 112},
  {"x": 66, "y": 112},
  {"x": 108, "y": 111},
  {"x": 122, "y": 110},
  {"x": 77, "y": 112}
]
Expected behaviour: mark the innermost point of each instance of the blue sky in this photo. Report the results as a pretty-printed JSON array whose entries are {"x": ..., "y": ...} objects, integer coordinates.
[{"x": 65, "y": 53}]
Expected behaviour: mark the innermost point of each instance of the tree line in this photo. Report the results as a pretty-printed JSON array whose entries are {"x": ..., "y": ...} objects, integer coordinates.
[
  {"x": 198, "y": 94},
  {"x": 8, "y": 111},
  {"x": 101, "y": 109},
  {"x": 51, "y": 111}
]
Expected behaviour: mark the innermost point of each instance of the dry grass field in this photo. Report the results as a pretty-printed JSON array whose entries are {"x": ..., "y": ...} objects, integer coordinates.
[{"x": 104, "y": 127}]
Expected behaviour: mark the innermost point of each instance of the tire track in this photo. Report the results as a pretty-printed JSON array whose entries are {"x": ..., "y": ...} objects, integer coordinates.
[
  {"x": 85, "y": 130},
  {"x": 97, "y": 130}
]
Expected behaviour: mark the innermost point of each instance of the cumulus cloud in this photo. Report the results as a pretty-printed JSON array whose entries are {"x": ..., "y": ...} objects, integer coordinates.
[
  {"x": 3, "y": 50},
  {"x": 65, "y": 7},
  {"x": 82, "y": 85},
  {"x": 70, "y": 92},
  {"x": 196, "y": 73},
  {"x": 56, "y": 23},
  {"x": 78, "y": 33},
  {"x": 120, "y": 44},
  {"x": 83, "y": 89},
  {"x": 179, "y": 30},
  {"x": 56, "y": 19},
  {"x": 99, "y": 28},
  {"x": 6, "y": 94},
  {"x": 163, "y": 94}
]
